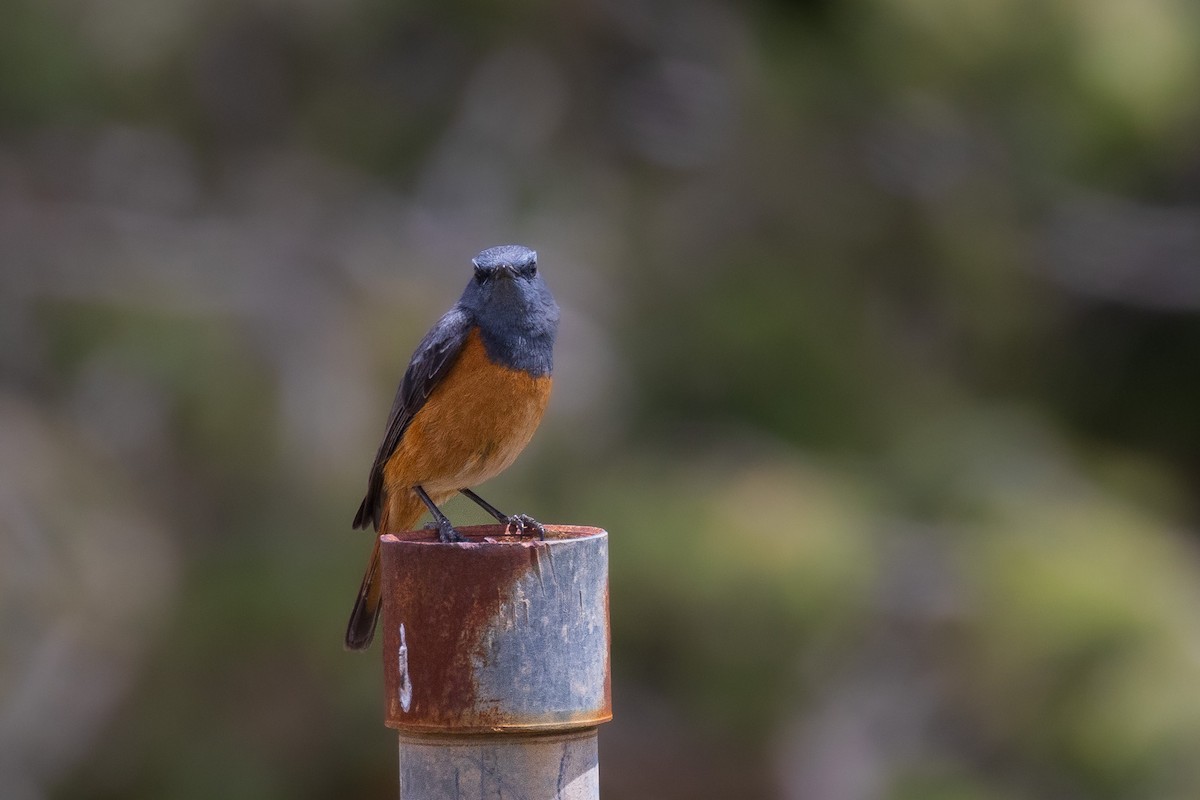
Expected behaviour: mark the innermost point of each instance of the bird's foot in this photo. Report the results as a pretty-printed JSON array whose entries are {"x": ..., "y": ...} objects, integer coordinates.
[
  {"x": 525, "y": 524},
  {"x": 447, "y": 534}
]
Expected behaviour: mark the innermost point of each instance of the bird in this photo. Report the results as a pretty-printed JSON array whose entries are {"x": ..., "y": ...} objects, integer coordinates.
[{"x": 470, "y": 400}]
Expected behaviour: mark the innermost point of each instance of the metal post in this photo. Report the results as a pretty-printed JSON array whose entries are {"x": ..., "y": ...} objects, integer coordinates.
[{"x": 496, "y": 662}]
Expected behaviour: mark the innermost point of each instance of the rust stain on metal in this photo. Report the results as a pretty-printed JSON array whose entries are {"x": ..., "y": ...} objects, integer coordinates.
[
  {"x": 448, "y": 597},
  {"x": 458, "y": 609}
]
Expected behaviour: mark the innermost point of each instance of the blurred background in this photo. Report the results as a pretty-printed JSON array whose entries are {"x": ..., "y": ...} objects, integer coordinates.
[{"x": 879, "y": 360}]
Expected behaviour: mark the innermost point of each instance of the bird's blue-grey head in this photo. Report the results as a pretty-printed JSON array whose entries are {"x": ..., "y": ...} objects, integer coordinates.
[{"x": 513, "y": 307}]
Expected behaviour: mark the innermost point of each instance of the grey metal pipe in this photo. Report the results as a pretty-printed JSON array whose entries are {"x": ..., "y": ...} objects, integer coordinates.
[
  {"x": 562, "y": 766},
  {"x": 496, "y": 662}
]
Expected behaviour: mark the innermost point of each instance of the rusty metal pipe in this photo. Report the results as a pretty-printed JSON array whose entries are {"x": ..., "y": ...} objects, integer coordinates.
[{"x": 496, "y": 661}]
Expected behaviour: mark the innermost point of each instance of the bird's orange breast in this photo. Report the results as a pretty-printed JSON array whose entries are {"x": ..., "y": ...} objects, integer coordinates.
[{"x": 475, "y": 423}]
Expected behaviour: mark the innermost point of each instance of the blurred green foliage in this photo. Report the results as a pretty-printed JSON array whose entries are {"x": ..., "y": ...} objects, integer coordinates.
[{"x": 880, "y": 325}]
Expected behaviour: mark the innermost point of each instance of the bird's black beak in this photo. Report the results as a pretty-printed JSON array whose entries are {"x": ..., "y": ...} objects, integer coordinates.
[{"x": 506, "y": 271}]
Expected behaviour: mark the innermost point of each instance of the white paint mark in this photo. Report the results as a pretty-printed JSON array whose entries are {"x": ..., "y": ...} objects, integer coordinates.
[{"x": 405, "y": 680}]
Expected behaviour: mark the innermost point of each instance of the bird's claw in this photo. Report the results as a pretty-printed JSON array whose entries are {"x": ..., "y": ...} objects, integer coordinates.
[
  {"x": 525, "y": 524},
  {"x": 447, "y": 534}
]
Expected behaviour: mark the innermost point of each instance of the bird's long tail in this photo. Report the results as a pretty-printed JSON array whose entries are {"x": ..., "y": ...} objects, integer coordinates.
[
  {"x": 363, "y": 618},
  {"x": 397, "y": 516}
]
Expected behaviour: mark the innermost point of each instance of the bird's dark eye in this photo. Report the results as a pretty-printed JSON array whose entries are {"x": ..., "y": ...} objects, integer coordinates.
[
  {"x": 481, "y": 276},
  {"x": 529, "y": 271}
]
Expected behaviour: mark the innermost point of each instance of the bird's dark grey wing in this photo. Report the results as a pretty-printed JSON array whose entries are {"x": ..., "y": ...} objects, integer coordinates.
[{"x": 430, "y": 363}]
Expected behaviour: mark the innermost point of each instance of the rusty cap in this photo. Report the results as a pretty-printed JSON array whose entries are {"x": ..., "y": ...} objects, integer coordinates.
[{"x": 497, "y": 633}]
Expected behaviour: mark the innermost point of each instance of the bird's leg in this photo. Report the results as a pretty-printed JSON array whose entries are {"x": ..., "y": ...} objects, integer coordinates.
[
  {"x": 522, "y": 522},
  {"x": 485, "y": 505},
  {"x": 446, "y": 532}
]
